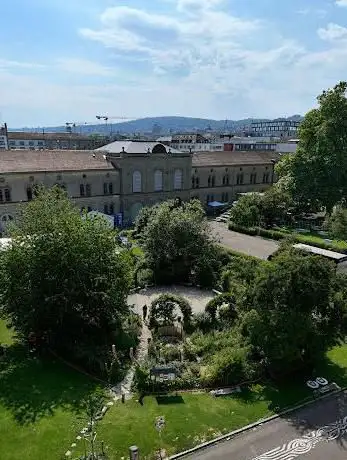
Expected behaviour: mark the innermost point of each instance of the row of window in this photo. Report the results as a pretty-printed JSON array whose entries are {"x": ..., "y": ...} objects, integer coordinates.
[
  {"x": 211, "y": 181},
  {"x": 5, "y": 195},
  {"x": 158, "y": 181}
]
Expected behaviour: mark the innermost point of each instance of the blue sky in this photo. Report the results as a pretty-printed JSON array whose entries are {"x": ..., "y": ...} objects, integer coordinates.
[{"x": 68, "y": 60}]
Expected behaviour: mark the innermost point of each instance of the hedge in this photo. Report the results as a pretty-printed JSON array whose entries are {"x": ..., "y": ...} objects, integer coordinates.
[
  {"x": 240, "y": 255},
  {"x": 278, "y": 235}
]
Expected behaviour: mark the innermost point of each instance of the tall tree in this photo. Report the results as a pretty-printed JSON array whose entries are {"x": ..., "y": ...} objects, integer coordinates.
[
  {"x": 295, "y": 314},
  {"x": 63, "y": 278},
  {"x": 178, "y": 245},
  {"x": 317, "y": 173}
]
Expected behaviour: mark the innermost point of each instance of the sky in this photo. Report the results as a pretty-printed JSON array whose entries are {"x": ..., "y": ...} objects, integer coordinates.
[{"x": 70, "y": 60}]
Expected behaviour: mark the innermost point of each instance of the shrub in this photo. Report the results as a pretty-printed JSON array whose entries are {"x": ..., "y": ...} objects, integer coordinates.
[
  {"x": 162, "y": 311},
  {"x": 145, "y": 277},
  {"x": 214, "y": 304},
  {"x": 202, "y": 321},
  {"x": 171, "y": 353},
  {"x": 230, "y": 366}
]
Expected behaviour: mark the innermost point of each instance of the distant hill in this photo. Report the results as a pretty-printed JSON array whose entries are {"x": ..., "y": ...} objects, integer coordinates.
[{"x": 161, "y": 125}]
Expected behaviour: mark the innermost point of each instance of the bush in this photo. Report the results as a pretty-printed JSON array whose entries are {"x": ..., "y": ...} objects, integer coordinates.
[
  {"x": 171, "y": 353},
  {"x": 162, "y": 312},
  {"x": 145, "y": 277},
  {"x": 229, "y": 366},
  {"x": 214, "y": 304},
  {"x": 202, "y": 321}
]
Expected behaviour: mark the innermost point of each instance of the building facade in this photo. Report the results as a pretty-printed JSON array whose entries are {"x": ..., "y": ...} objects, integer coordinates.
[
  {"x": 53, "y": 141},
  {"x": 125, "y": 176},
  {"x": 276, "y": 128},
  {"x": 3, "y": 137}
]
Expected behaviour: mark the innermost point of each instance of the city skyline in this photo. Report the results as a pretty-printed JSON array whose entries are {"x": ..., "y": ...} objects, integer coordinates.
[{"x": 200, "y": 58}]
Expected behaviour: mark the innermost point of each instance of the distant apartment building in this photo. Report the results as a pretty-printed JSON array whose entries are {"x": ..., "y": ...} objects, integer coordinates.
[
  {"x": 275, "y": 128},
  {"x": 219, "y": 143},
  {"x": 3, "y": 137},
  {"x": 53, "y": 141}
]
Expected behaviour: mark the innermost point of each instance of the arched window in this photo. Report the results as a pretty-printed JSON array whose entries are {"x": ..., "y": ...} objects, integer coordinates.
[
  {"x": 137, "y": 182},
  {"x": 178, "y": 179},
  {"x": 158, "y": 180}
]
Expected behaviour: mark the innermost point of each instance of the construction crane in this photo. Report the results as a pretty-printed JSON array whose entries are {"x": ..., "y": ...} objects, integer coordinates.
[{"x": 106, "y": 117}]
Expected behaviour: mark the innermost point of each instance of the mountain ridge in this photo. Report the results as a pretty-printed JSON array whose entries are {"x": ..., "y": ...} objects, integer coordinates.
[{"x": 160, "y": 125}]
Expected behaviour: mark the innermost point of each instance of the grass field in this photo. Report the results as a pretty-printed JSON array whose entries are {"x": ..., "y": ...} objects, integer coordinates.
[
  {"x": 315, "y": 239},
  {"x": 194, "y": 418},
  {"x": 40, "y": 409},
  {"x": 40, "y": 405}
]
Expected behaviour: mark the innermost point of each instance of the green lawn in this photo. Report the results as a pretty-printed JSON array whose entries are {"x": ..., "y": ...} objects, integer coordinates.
[
  {"x": 40, "y": 405},
  {"x": 6, "y": 335},
  {"x": 40, "y": 409},
  {"x": 194, "y": 418},
  {"x": 314, "y": 238}
]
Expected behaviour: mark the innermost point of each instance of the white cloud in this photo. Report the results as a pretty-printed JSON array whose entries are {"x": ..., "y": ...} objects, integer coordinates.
[
  {"x": 333, "y": 33},
  {"x": 341, "y": 3},
  {"x": 83, "y": 67},
  {"x": 8, "y": 64},
  {"x": 321, "y": 13},
  {"x": 198, "y": 60}
]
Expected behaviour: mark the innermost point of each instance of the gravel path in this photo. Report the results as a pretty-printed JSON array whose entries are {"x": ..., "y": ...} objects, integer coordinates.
[
  {"x": 196, "y": 297},
  {"x": 250, "y": 245}
]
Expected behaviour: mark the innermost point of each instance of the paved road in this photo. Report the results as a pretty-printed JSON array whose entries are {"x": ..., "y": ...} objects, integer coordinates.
[
  {"x": 318, "y": 432},
  {"x": 251, "y": 245}
]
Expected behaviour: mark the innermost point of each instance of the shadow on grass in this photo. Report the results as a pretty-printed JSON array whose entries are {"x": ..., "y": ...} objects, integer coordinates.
[
  {"x": 327, "y": 414},
  {"x": 32, "y": 388},
  {"x": 170, "y": 399}
]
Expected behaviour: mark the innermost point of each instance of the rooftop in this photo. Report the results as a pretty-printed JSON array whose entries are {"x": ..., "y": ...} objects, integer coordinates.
[
  {"x": 137, "y": 147},
  {"x": 234, "y": 158},
  {"x": 13, "y": 161},
  {"x": 19, "y": 135}
]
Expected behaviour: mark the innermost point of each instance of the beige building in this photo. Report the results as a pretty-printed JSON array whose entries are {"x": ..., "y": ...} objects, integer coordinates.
[
  {"x": 124, "y": 176},
  {"x": 221, "y": 176},
  {"x": 53, "y": 141}
]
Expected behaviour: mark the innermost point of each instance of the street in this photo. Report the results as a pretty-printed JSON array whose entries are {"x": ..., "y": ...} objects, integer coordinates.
[
  {"x": 250, "y": 245},
  {"x": 317, "y": 432}
]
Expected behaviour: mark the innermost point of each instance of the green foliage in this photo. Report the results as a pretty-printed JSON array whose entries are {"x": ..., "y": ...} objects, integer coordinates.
[
  {"x": 64, "y": 280},
  {"x": 163, "y": 311},
  {"x": 316, "y": 173},
  {"x": 145, "y": 277},
  {"x": 214, "y": 307},
  {"x": 178, "y": 246},
  {"x": 278, "y": 235},
  {"x": 247, "y": 211},
  {"x": 170, "y": 352},
  {"x": 256, "y": 210},
  {"x": 338, "y": 223},
  {"x": 293, "y": 319},
  {"x": 202, "y": 321},
  {"x": 142, "y": 220},
  {"x": 229, "y": 366}
]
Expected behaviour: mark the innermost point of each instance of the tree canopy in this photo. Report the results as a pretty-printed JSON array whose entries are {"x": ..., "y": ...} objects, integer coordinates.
[
  {"x": 64, "y": 279},
  {"x": 261, "y": 210},
  {"x": 294, "y": 317},
  {"x": 178, "y": 245},
  {"x": 316, "y": 175}
]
